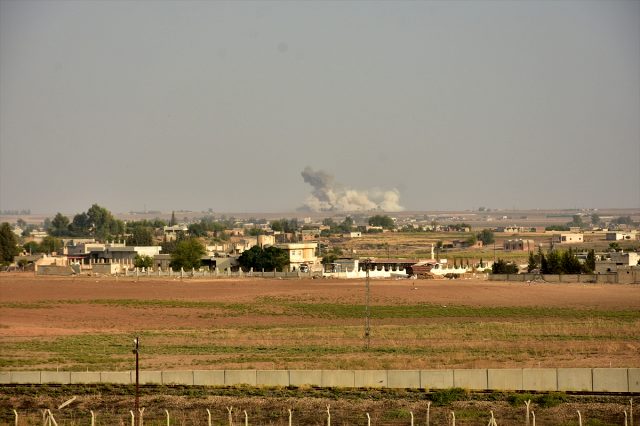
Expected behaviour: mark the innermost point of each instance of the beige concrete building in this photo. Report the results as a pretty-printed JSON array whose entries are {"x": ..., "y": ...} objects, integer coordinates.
[
  {"x": 266, "y": 240},
  {"x": 568, "y": 238},
  {"x": 519, "y": 245},
  {"x": 622, "y": 236},
  {"x": 301, "y": 253},
  {"x": 618, "y": 261}
]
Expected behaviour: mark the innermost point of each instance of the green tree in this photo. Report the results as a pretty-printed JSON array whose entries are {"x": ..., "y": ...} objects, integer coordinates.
[
  {"x": 472, "y": 239},
  {"x": 275, "y": 258},
  {"x": 576, "y": 221},
  {"x": 197, "y": 230},
  {"x": 143, "y": 261},
  {"x": 31, "y": 247},
  {"x": 332, "y": 255},
  {"x": 187, "y": 254},
  {"x": 329, "y": 222},
  {"x": 102, "y": 223},
  {"x": 502, "y": 267},
  {"x": 533, "y": 262},
  {"x": 269, "y": 258},
  {"x": 285, "y": 225},
  {"x": 8, "y": 244},
  {"x": 623, "y": 220},
  {"x": 255, "y": 231},
  {"x": 559, "y": 228},
  {"x": 595, "y": 218},
  {"x": 554, "y": 265},
  {"x": 347, "y": 224},
  {"x": 80, "y": 225},
  {"x": 50, "y": 245},
  {"x": 59, "y": 225},
  {"x": 384, "y": 221},
  {"x": 140, "y": 236},
  {"x": 486, "y": 236},
  {"x": 173, "y": 222},
  {"x": 569, "y": 263},
  {"x": 544, "y": 265},
  {"x": 590, "y": 264}
]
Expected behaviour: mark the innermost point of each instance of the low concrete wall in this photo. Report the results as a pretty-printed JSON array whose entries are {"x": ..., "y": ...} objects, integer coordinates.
[
  {"x": 575, "y": 379},
  {"x": 54, "y": 270},
  {"x": 208, "y": 377},
  {"x": 540, "y": 379},
  {"x": 403, "y": 379},
  {"x": 619, "y": 277},
  {"x": 508, "y": 379},
  {"x": 338, "y": 379},
  {"x": 177, "y": 377},
  {"x": 60, "y": 377},
  {"x": 436, "y": 379},
  {"x": 610, "y": 380},
  {"x": 370, "y": 378},
  {"x": 504, "y": 379},
  {"x": 85, "y": 377},
  {"x": 272, "y": 378},
  {"x": 634, "y": 379},
  {"x": 240, "y": 377},
  {"x": 305, "y": 377},
  {"x": 149, "y": 377},
  {"x": 470, "y": 379}
]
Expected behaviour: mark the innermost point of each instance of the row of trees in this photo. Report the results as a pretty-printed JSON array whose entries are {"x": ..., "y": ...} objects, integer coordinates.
[
  {"x": 553, "y": 262},
  {"x": 561, "y": 262}
]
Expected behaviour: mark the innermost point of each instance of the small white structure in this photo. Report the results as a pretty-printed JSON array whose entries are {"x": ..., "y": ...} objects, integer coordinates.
[
  {"x": 568, "y": 238},
  {"x": 354, "y": 234},
  {"x": 620, "y": 236}
]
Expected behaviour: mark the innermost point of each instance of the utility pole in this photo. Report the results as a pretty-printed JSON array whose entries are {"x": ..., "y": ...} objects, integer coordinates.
[
  {"x": 137, "y": 404},
  {"x": 367, "y": 323}
]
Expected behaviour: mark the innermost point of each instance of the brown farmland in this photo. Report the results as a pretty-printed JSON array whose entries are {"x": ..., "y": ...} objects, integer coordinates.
[{"x": 87, "y": 323}]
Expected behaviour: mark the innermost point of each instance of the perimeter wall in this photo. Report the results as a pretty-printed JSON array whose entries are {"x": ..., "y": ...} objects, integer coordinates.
[{"x": 625, "y": 380}]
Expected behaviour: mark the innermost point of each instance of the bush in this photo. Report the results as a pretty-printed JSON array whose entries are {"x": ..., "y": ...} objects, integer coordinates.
[
  {"x": 447, "y": 396},
  {"x": 502, "y": 267}
]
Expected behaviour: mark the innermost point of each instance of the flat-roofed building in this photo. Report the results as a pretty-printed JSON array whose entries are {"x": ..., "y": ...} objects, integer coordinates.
[
  {"x": 568, "y": 238},
  {"x": 519, "y": 244}
]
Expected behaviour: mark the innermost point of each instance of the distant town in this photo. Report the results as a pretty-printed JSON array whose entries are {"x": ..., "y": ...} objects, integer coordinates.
[{"x": 432, "y": 245}]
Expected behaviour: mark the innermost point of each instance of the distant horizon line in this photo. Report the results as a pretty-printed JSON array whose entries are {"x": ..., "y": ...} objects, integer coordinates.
[{"x": 327, "y": 212}]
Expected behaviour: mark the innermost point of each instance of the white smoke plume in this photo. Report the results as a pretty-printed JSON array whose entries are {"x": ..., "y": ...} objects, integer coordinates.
[{"x": 327, "y": 195}]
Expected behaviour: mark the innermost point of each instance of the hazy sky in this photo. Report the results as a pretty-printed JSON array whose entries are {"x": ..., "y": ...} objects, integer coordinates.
[{"x": 222, "y": 105}]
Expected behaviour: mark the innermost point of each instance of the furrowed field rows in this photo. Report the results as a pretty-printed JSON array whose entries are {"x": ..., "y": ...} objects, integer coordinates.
[{"x": 277, "y": 307}]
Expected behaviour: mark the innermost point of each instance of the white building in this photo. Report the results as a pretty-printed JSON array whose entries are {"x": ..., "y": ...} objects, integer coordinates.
[
  {"x": 568, "y": 238},
  {"x": 620, "y": 236}
]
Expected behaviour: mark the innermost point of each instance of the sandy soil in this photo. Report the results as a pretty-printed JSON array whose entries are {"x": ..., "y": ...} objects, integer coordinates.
[
  {"x": 27, "y": 288},
  {"x": 28, "y": 310},
  {"x": 66, "y": 319}
]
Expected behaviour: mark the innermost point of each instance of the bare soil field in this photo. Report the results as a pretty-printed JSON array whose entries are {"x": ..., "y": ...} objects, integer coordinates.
[{"x": 87, "y": 323}]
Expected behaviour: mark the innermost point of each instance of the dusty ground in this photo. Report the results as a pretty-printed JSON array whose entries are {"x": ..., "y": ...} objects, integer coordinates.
[{"x": 202, "y": 323}]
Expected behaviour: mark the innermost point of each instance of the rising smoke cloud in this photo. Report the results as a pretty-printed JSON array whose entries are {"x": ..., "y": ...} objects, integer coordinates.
[{"x": 327, "y": 195}]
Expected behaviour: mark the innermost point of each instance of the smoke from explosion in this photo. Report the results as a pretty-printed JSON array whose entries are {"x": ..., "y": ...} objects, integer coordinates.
[{"x": 328, "y": 195}]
